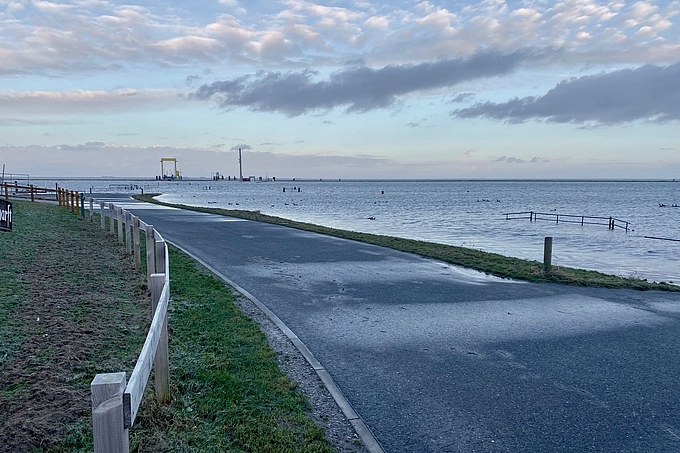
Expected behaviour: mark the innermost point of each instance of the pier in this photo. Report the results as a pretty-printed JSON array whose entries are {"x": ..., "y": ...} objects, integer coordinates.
[{"x": 611, "y": 222}]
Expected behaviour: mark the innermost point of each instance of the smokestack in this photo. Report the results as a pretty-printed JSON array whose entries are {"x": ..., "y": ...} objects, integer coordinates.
[{"x": 240, "y": 166}]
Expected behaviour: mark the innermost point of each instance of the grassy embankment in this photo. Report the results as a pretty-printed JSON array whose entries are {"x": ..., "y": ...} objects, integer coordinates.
[
  {"x": 490, "y": 263},
  {"x": 73, "y": 306}
]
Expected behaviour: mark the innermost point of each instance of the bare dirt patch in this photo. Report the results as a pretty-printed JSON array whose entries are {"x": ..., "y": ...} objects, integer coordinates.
[{"x": 72, "y": 329}]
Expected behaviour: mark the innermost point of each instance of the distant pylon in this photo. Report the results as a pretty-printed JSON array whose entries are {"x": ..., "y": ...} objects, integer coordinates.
[{"x": 240, "y": 166}]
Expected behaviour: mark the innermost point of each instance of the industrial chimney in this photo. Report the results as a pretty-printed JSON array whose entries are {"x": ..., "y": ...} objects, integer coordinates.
[{"x": 240, "y": 166}]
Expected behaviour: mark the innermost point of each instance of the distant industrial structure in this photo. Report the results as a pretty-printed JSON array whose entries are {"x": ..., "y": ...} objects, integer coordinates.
[{"x": 169, "y": 176}]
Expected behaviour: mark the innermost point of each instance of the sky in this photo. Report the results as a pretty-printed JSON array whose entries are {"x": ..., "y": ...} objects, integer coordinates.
[{"x": 341, "y": 89}]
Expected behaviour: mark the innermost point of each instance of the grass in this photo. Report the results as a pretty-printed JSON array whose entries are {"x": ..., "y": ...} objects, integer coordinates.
[
  {"x": 227, "y": 393},
  {"x": 57, "y": 330},
  {"x": 490, "y": 263}
]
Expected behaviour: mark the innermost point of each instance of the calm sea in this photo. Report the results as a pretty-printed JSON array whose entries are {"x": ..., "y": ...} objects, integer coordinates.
[{"x": 465, "y": 213}]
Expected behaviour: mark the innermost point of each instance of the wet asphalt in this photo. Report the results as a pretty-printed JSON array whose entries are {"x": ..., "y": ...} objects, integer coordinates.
[{"x": 437, "y": 358}]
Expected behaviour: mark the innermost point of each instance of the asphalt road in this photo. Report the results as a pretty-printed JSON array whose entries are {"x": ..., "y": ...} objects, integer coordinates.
[{"x": 436, "y": 358}]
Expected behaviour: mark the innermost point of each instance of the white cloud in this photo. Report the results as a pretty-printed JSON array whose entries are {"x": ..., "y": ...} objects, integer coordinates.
[
  {"x": 55, "y": 38},
  {"x": 377, "y": 23},
  {"x": 82, "y": 101}
]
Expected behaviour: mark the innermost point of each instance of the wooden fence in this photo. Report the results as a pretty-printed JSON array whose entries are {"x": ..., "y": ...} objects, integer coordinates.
[
  {"x": 610, "y": 222},
  {"x": 114, "y": 402},
  {"x": 70, "y": 199}
]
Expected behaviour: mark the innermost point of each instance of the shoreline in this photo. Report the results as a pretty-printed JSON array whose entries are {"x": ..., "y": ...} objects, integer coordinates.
[{"x": 487, "y": 262}]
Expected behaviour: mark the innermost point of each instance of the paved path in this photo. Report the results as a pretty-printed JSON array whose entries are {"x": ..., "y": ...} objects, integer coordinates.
[{"x": 436, "y": 358}]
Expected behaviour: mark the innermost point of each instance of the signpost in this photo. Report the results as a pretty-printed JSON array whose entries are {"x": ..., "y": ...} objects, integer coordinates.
[{"x": 5, "y": 215}]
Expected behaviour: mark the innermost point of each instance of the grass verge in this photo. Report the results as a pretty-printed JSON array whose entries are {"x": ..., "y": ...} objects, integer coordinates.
[
  {"x": 490, "y": 263},
  {"x": 74, "y": 306}
]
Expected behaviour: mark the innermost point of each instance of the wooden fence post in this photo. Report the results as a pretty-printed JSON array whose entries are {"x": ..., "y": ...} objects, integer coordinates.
[
  {"x": 137, "y": 245},
  {"x": 119, "y": 214},
  {"x": 160, "y": 256},
  {"x": 110, "y": 435},
  {"x": 128, "y": 232},
  {"x": 150, "y": 268},
  {"x": 91, "y": 209},
  {"x": 161, "y": 360},
  {"x": 102, "y": 218},
  {"x": 111, "y": 219},
  {"x": 6, "y": 192},
  {"x": 547, "y": 255},
  {"x": 32, "y": 193}
]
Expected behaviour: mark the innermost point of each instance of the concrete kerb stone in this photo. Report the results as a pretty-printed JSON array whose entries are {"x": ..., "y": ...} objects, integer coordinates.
[{"x": 362, "y": 430}]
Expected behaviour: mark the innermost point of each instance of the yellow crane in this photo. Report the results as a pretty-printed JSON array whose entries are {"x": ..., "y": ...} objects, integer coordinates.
[{"x": 175, "y": 174}]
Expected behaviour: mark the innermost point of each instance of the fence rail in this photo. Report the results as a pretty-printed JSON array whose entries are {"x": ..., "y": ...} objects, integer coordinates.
[
  {"x": 115, "y": 403},
  {"x": 611, "y": 222}
]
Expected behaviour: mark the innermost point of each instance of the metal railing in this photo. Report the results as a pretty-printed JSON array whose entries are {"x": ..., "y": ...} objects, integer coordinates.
[{"x": 611, "y": 222}]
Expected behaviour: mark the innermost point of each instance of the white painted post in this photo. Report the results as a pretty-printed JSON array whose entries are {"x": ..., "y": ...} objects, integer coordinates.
[
  {"x": 119, "y": 214},
  {"x": 101, "y": 215},
  {"x": 150, "y": 268},
  {"x": 161, "y": 359},
  {"x": 128, "y": 232},
  {"x": 110, "y": 435},
  {"x": 547, "y": 255},
  {"x": 91, "y": 209},
  {"x": 137, "y": 244},
  {"x": 111, "y": 219}
]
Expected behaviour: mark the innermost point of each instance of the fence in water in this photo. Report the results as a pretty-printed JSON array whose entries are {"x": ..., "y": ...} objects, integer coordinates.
[{"x": 610, "y": 222}]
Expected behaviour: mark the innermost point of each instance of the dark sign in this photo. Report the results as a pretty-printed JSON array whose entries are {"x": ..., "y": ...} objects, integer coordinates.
[{"x": 5, "y": 215}]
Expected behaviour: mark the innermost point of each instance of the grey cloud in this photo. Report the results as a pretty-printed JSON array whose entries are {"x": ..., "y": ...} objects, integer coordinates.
[
  {"x": 461, "y": 97},
  {"x": 359, "y": 89},
  {"x": 514, "y": 160},
  {"x": 243, "y": 146},
  {"x": 649, "y": 93},
  {"x": 191, "y": 79}
]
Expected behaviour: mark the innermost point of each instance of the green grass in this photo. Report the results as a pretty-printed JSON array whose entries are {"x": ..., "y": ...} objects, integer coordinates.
[
  {"x": 69, "y": 295},
  {"x": 490, "y": 263},
  {"x": 227, "y": 393}
]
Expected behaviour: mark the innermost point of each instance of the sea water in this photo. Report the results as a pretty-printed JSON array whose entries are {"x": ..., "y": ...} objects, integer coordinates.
[{"x": 467, "y": 213}]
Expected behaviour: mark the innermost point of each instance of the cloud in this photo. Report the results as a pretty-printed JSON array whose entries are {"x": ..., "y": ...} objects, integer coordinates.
[
  {"x": 87, "y": 101},
  {"x": 510, "y": 160},
  {"x": 649, "y": 93},
  {"x": 359, "y": 89},
  {"x": 14, "y": 122},
  {"x": 243, "y": 146},
  {"x": 192, "y": 78},
  {"x": 462, "y": 97}
]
